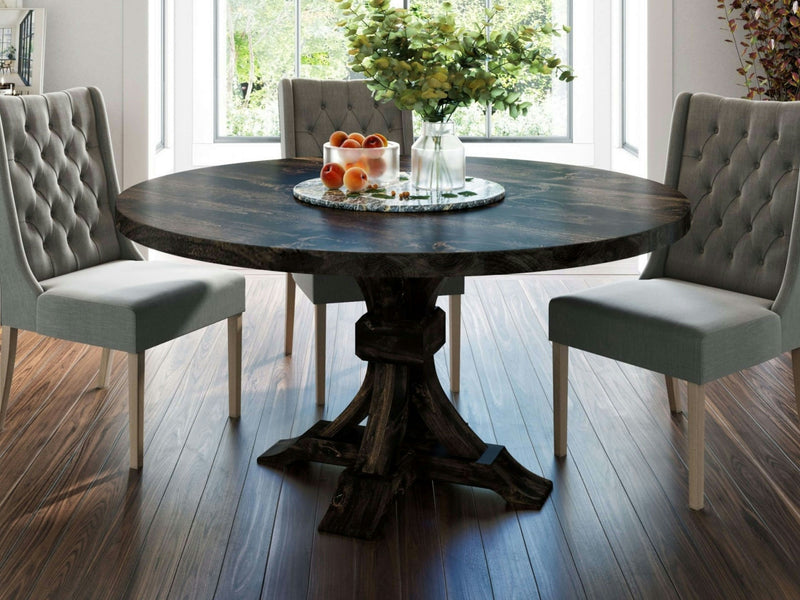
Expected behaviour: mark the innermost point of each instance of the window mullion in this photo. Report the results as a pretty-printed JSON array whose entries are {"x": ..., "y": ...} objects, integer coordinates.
[{"x": 297, "y": 38}]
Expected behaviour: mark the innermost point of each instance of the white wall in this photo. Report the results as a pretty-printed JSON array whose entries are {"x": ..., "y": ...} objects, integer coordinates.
[
  {"x": 702, "y": 60},
  {"x": 93, "y": 42}
]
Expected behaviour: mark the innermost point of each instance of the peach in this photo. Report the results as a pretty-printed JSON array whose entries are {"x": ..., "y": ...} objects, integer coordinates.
[
  {"x": 357, "y": 137},
  {"x": 337, "y": 137},
  {"x": 383, "y": 138},
  {"x": 359, "y": 163},
  {"x": 355, "y": 179},
  {"x": 372, "y": 141},
  {"x": 376, "y": 167},
  {"x": 351, "y": 143},
  {"x": 332, "y": 176}
]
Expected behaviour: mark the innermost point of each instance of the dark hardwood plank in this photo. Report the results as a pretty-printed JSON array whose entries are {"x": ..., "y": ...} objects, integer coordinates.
[
  {"x": 122, "y": 507},
  {"x": 28, "y": 470},
  {"x": 38, "y": 537},
  {"x": 506, "y": 549},
  {"x": 547, "y": 547},
  {"x": 35, "y": 384},
  {"x": 249, "y": 545},
  {"x": 201, "y": 560},
  {"x": 333, "y": 557},
  {"x": 600, "y": 571}
]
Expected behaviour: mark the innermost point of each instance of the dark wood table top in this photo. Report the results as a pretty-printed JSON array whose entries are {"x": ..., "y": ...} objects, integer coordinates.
[{"x": 553, "y": 216}]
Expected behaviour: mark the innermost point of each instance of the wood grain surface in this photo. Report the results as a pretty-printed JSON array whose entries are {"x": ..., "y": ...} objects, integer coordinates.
[{"x": 553, "y": 216}]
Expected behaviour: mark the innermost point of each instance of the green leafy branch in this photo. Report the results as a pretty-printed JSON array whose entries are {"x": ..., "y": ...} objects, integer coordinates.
[{"x": 432, "y": 65}]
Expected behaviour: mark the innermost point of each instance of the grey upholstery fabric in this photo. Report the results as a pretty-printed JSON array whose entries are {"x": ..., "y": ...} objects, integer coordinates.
[
  {"x": 739, "y": 167},
  {"x": 60, "y": 188},
  {"x": 690, "y": 331},
  {"x": 64, "y": 269},
  {"x": 134, "y": 305},
  {"x": 312, "y": 109},
  {"x": 737, "y": 162}
]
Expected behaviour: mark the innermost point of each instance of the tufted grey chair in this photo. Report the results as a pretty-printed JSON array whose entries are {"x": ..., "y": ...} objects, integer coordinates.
[
  {"x": 65, "y": 272},
  {"x": 725, "y": 296},
  {"x": 310, "y": 111}
]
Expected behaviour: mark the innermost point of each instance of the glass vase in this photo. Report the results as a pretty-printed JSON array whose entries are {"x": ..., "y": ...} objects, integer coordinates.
[{"x": 437, "y": 159}]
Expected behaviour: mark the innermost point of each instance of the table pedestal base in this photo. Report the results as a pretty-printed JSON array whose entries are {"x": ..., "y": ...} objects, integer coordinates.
[{"x": 412, "y": 431}]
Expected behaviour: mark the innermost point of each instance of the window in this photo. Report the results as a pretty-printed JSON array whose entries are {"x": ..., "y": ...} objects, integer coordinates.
[
  {"x": 25, "y": 48},
  {"x": 6, "y": 46},
  {"x": 258, "y": 42},
  {"x": 631, "y": 82}
]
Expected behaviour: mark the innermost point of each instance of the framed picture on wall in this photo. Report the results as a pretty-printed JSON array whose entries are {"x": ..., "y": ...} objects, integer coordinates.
[{"x": 21, "y": 50}]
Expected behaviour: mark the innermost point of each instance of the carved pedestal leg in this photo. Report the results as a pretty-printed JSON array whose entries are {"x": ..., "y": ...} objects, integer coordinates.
[{"x": 412, "y": 430}]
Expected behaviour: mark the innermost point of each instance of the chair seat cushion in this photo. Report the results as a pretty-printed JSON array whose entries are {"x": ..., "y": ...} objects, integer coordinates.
[
  {"x": 133, "y": 305},
  {"x": 331, "y": 289},
  {"x": 686, "y": 330}
]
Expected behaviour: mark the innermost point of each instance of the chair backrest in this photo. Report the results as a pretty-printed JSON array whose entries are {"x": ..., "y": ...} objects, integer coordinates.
[
  {"x": 737, "y": 162},
  {"x": 312, "y": 109},
  {"x": 58, "y": 186}
]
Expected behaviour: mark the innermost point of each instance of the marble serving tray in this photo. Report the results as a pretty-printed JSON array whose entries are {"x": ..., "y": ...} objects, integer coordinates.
[{"x": 476, "y": 192}]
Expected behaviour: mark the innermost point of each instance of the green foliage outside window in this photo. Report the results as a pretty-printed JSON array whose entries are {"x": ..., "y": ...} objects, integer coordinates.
[{"x": 259, "y": 38}]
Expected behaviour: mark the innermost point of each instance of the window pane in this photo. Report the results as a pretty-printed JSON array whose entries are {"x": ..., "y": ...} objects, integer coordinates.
[
  {"x": 549, "y": 115},
  {"x": 323, "y": 49},
  {"x": 631, "y": 81},
  {"x": 260, "y": 50}
]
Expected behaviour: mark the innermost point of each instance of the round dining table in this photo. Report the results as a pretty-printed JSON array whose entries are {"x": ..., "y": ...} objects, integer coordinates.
[{"x": 552, "y": 217}]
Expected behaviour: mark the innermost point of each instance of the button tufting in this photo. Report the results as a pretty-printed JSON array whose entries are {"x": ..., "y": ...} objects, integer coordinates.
[
  {"x": 730, "y": 255},
  {"x": 761, "y": 262},
  {"x": 781, "y": 234},
  {"x": 349, "y": 107},
  {"x": 719, "y": 223},
  {"x": 701, "y": 250},
  {"x": 776, "y": 136},
  {"x": 322, "y": 106},
  {"x": 727, "y": 161},
  {"x": 749, "y": 228},
  {"x": 716, "y": 129},
  {"x": 699, "y": 156},
  {"x": 744, "y": 135}
]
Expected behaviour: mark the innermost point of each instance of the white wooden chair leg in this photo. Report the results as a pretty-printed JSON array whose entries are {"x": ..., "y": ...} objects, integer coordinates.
[
  {"x": 288, "y": 335},
  {"x": 136, "y": 407},
  {"x": 455, "y": 342},
  {"x": 320, "y": 315},
  {"x": 104, "y": 373},
  {"x": 235, "y": 366},
  {"x": 672, "y": 393},
  {"x": 560, "y": 382},
  {"x": 697, "y": 414},
  {"x": 7, "y": 356},
  {"x": 796, "y": 373}
]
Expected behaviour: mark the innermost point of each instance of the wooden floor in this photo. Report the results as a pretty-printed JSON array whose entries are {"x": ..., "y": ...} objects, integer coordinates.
[{"x": 203, "y": 520}]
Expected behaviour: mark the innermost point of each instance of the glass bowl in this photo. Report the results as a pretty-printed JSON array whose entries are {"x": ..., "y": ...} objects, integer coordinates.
[{"x": 381, "y": 164}]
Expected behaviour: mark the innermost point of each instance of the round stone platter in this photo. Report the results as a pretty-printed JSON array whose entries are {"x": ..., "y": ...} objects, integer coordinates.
[{"x": 476, "y": 192}]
